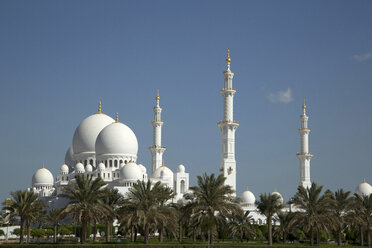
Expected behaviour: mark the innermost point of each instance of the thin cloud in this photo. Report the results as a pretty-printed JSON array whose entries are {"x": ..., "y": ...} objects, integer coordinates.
[
  {"x": 281, "y": 96},
  {"x": 363, "y": 57}
]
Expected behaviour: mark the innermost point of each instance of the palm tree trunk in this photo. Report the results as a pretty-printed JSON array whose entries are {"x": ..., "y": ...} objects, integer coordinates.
[
  {"x": 311, "y": 236},
  {"x": 368, "y": 238},
  {"x": 132, "y": 233},
  {"x": 209, "y": 237},
  {"x": 147, "y": 231},
  {"x": 22, "y": 230},
  {"x": 269, "y": 225},
  {"x": 84, "y": 223},
  {"x": 317, "y": 236},
  {"x": 28, "y": 230},
  {"x": 241, "y": 236},
  {"x": 361, "y": 236},
  {"x": 135, "y": 233},
  {"x": 94, "y": 231},
  {"x": 55, "y": 234},
  {"x": 108, "y": 231},
  {"x": 161, "y": 234},
  {"x": 284, "y": 237},
  {"x": 339, "y": 237},
  {"x": 180, "y": 232}
]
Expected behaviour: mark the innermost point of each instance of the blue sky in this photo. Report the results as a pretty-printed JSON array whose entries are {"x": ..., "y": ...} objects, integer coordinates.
[{"x": 58, "y": 58}]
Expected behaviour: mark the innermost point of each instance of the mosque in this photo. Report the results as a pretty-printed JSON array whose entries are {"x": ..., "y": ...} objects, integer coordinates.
[{"x": 106, "y": 148}]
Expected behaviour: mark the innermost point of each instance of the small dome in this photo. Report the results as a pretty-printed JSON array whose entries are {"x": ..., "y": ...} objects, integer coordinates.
[
  {"x": 42, "y": 177},
  {"x": 101, "y": 166},
  {"x": 181, "y": 168},
  {"x": 79, "y": 168},
  {"x": 247, "y": 198},
  {"x": 131, "y": 171},
  {"x": 162, "y": 172},
  {"x": 116, "y": 138},
  {"x": 64, "y": 169},
  {"x": 143, "y": 168},
  {"x": 89, "y": 168},
  {"x": 69, "y": 157},
  {"x": 86, "y": 133},
  {"x": 278, "y": 194},
  {"x": 364, "y": 189}
]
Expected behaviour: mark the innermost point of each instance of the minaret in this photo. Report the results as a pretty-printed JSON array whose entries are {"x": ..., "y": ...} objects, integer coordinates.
[
  {"x": 228, "y": 127},
  {"x": 304, "y": 156},
  {"x": 157, "y": 149}
]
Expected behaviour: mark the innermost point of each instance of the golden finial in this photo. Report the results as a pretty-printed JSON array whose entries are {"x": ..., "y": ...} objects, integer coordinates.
[
  {"x": 246, "y": 189},
  {"x": 228, "y": 59},
  {"x": 157, "y": 95},
  {"x": 43, "y": 166},
  {"x": 99, "y": 107},
  {"x": 162, "y": 164},
  {"x": 117, "y": 117},
  {"x": 304, "y": 105},
  {"x": 364, "y": 180},
  {"x": 275, "y": 190}
]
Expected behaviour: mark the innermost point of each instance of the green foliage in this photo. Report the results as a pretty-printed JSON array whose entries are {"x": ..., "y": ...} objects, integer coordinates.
[
  {"x": 64, "y": 231},
  {"x": 37, "y": 233},
  {"x": 49, "y": 232},
  {"x": 2, "y": 233},
  {"x": 16, "y": 231}
]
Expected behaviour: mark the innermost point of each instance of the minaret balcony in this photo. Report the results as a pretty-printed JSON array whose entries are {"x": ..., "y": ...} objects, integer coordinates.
[
  {"x": 228, "y": 89},
  {"x": 159, "y": 121},
  {"x": 228, "y": 122}
]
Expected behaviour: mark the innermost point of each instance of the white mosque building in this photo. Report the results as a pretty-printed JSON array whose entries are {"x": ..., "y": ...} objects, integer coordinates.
[{"x": 106, "y": 148}]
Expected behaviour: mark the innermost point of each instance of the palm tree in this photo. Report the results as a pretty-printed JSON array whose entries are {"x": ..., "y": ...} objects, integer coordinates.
[
  {"x": 85, "y": 200},
  {"x": 313, "y": 208},
  {"x": 241, "y": 224},
  {"x": 37, "y": 213},
  {"x": 363, "y": 213},
  {"x": 269, "y": 205},
  {"x": 212, "y": 196},
  {"x": 286, "y": 224},
  {"x": 144, "y": 206},
  {"x": 112, "y": 199},
  {"x": 21, "y": 205},
  {"x": 53, "y": 217},
  {"x": 340, "y": 207}
]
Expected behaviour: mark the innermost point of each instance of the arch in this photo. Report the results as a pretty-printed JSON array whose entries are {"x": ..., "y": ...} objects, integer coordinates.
[
  {"x": 259, "y": 221},
  {"x": 182, "y": 186}
]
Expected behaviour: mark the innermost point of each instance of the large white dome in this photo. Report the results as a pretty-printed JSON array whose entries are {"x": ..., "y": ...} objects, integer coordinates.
[
  {"x": 42, "y": 177},
  {"x": 116, "y": 138},
  {"x": 69, "y": 157},
  {"x": 364, "y": 189},
  {"x": 131, "y": 171},
  {"x": 86, "y": 133},
  {"x": 247, "y": 198},
  {"x": 162, "y": 172},
  {"x": 279, "y": 195}
]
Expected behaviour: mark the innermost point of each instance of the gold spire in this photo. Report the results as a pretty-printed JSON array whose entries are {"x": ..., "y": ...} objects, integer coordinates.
[
  {"x": 43, "y": 166},
  {"x": 157, "y": 95},
  {"x": 162, "y": 165},
  {"x": 246, "y": 189},
  {"x": 99, "y": 107},
  {"x": 228, "y": 59},
  {"x": 304, "y": 105},
  {"x": 117, "y": 117},
  {"x": 364, "y": 180},
  {"x": 275, "y": 190}
]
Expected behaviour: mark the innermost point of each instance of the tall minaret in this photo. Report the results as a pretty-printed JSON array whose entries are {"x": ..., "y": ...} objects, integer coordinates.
[
  {"x": 228, "y": 127},
  {"x": 304, "y": 156},
  {"x": 157, "y": 149}
]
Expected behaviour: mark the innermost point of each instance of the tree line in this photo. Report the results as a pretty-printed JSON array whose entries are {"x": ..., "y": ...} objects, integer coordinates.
[{"x": 208, "y": 211}]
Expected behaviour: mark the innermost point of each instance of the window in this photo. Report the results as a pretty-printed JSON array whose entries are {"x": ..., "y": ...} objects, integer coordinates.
[{"x": 182, "y": 186}]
